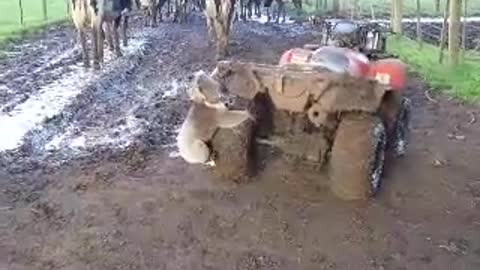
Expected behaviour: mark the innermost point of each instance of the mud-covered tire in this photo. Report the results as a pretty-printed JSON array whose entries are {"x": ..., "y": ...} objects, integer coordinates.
[
  {"x": 357, "y": 157},
  {"x": 402, "y": 128},
  {"x": 234, "y": 152}
]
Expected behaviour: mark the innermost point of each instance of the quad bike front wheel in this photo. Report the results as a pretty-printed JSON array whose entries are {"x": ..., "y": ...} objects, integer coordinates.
[{"x": 357, "y": 156}]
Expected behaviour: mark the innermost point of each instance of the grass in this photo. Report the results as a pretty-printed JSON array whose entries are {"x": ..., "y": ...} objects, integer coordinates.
[
  {"x": 10, "y": 26},
  {"x": 382, "y": 8},
  {"x": 461, "y": 82}
]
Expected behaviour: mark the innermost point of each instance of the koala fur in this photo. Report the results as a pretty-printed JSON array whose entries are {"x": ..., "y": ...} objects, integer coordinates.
[{"x": 207, "y": 113}]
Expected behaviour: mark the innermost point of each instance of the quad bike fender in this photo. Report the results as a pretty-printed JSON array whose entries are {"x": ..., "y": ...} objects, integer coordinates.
[{"x": 390, "y": 72}]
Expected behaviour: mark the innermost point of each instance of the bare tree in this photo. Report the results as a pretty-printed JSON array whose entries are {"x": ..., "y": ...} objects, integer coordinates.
[
  {"x": 219, "y": 16},
  {"x": 454, "y": 32},
  {"x": 443, "y": 34}
]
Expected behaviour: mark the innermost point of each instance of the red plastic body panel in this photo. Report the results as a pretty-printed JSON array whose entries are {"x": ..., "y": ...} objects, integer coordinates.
[{"x": 389, "y": 71}]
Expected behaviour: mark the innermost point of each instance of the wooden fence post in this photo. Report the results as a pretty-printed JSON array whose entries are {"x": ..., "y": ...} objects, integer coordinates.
[
  {"x": 397, "y": 16},
  {"x": 44, "y": 9},
  {"x": 419, "y": 27},
  {"x": 464, "y": 28},
  {"x": 20, "y": 6},
  {"x": 67, "y": 3},
  {"x": 372, "y": 11}
]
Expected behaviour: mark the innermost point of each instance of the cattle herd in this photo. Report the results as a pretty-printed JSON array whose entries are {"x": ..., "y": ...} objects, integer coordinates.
[{"x": 103, "y": 18}]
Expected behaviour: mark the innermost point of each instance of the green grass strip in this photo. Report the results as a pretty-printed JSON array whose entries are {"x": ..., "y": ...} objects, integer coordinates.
[{"x": 461, "y": 82}]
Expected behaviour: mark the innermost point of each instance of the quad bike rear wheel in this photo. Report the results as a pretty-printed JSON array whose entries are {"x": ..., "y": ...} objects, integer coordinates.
[
  {"x": 357, "y": 157},
  {"x": 402, "y": 128}
]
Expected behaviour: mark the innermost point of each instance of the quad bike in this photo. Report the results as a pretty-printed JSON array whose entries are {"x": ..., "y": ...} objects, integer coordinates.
[
  {"x": 369, "y": 38},
  {"x": 310, "y": 110}
]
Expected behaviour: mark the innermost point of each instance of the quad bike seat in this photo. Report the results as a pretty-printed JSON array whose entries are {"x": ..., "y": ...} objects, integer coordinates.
[{"x": 390, "y": 71}]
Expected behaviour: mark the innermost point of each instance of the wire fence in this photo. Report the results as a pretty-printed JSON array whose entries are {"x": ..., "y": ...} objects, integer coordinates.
[
  {"x": 431, "y": 29},
  {"x": 20, "y": 15}
]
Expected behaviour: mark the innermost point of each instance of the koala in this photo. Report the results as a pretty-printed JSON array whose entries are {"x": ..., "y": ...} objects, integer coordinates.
[{"x": 207, "y": 113}]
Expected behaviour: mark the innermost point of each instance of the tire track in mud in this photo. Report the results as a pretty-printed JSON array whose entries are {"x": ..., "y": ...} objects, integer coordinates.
[
  {"x": 133, "y": 99},
  {"x": 29, "y": 66}
]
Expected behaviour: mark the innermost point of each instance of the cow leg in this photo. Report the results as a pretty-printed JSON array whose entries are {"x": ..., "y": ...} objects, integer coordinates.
[
  {"x": 146, "y": 16},
  {"x": 211, "y": 29},
  {"x": 108, "y": 33},
  {"x": 249, "y": 8},
  {"x": 159, "y": 10},
  {"x": 153, "y": 13},
  {"x": 168, "y": 8},
  {"x": 95, "y": 37},
  {"x": 282, "y": 10},
  {"x": 124, "y": 31},
  {"x": 100, "y": 40},
  {"x": 222, "y": 27},
  {"x": 116, "y": 36},
  {"x": 83, "y": 43}
]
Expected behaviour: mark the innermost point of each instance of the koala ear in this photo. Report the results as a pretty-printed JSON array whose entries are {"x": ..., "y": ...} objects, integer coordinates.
[
  {"x": 208, "y": 86},
  {"x": 196, "y": 94}
]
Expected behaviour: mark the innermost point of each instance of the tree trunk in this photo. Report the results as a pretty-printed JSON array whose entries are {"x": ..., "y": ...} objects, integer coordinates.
[
  {"x": 443, "y": 34},
  {"x": 397, "y": 16},
  {"x": 454, "y": 32}
]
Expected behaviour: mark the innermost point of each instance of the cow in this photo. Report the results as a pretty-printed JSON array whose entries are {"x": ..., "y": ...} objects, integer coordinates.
[
  {"x": 97, "y": 14},
  {"x": 151, "y": 8},
  {"x": 278, "y": 11},
  {"x": 220, "y": 14},
  {"x": 248, "y": 8},
  {"x": 181, "y": 10}
]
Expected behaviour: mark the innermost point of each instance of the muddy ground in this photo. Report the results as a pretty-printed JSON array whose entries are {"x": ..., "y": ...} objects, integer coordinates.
[{"x": 118, "y": 199}]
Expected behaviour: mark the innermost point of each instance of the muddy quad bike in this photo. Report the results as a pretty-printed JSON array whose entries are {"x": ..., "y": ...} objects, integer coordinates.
[
  {"x": 315, "y": 113},
  {"x": 369, "y": 38}
]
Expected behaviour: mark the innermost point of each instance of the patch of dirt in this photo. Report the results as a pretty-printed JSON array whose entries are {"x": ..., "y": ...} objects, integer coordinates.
[{"x": 137, "y": 208}]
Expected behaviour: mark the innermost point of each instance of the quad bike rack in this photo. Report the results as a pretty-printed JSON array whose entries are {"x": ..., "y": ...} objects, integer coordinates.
[{"x": 313, "y": 114}]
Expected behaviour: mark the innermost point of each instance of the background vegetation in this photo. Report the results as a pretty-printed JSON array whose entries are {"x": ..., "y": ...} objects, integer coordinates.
[{"x": 11, "y": 23}]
